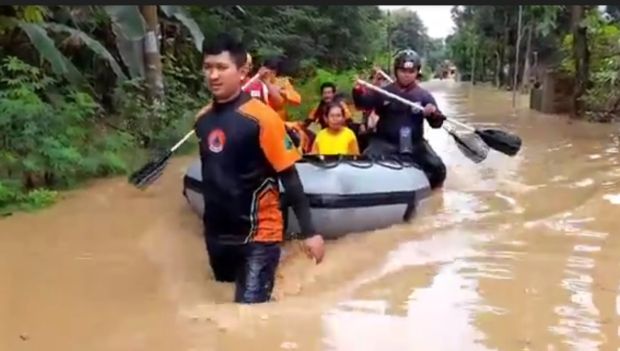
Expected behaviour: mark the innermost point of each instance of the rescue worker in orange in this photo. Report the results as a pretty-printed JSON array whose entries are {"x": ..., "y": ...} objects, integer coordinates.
[
  {"x": 270, "y": 74},
  {"x": 268, "y": 91},
  {"x": 245, "y": 151}
]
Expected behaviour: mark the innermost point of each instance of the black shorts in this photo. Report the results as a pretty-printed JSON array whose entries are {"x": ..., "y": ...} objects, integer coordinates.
[{"x": 251, "y": 266}]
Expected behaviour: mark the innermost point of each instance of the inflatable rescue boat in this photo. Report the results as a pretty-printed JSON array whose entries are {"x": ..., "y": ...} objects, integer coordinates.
[{"x": 347, "y": 194}]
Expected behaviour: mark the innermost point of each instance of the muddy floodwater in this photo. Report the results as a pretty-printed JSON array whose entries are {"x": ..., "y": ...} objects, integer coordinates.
[{"x": 517, "y": 253}]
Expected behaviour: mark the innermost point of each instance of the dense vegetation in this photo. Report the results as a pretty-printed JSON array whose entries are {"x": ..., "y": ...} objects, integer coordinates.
[
  {"x": 82, "y": 97},
  {"x": 581, "y": 41}
]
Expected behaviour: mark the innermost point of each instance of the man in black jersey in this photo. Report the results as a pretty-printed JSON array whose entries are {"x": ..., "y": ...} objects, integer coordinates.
[{"x": 245, "y": 150}]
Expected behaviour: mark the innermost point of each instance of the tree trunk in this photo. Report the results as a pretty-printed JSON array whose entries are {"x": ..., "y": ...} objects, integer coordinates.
[
  {"x": 516, "y": 69},
  {"x": 498, "y": 68},
  {"x": 504, "y": 50},
  {"x": 473, "y": 66},
  {"x": 581, "y": 56},
  {"x": 525, "y": 79},
  {"x": 152, "y": 58}
]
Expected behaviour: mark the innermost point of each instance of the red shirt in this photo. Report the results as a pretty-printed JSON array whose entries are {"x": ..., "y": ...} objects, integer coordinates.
[{"x": 258, "y": 90}]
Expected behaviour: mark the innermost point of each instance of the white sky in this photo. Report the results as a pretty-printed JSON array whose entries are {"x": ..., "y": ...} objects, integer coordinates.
[{"x": 437, "y": 19}]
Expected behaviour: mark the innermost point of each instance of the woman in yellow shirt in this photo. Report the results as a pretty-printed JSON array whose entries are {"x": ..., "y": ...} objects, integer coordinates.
[{"x": 336, "y": 139}]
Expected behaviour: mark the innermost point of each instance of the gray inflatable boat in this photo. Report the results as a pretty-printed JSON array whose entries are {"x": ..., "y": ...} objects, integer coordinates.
[{"x": 346, "y": 194}]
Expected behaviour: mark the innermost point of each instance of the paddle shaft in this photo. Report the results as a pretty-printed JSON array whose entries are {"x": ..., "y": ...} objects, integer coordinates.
[
  {"x": 189, "y": 134},
  {"x": 405, "y": 101}
]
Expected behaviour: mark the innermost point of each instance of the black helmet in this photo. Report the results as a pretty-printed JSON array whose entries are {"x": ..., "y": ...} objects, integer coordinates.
[{"x": 407, "y": 59}]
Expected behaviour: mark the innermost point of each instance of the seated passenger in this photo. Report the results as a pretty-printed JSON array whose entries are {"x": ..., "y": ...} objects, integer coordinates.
[
  {"x": 336, "y": 139},
  {"x": 328, "y": 95}
]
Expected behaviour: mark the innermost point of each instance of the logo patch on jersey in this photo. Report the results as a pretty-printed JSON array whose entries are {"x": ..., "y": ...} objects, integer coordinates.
[
  {"x": 216, "y": 140},
  {"x": 288, "y": 143}
]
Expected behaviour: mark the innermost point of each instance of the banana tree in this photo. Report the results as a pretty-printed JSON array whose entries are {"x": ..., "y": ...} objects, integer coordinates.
[
  {"x": 128, "y": 25},
  {"x": 136, "y": 31},
  {"x": 31, "y": 20}
]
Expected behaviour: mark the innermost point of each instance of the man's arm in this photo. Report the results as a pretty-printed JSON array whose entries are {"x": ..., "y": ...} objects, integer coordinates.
[
  {"x": 435, "y": 119},
  {"x": 282, "y": 155},
  {"x": 276, "y": 100},
  {"x": 291, "y": 95},
  {"x": 298, "y": 201},
  {"x": 365, "y": 99},
  {"x": 311, "y": 119}
]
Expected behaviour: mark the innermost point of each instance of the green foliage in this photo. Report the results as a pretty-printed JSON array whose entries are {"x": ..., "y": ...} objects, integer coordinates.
[
  {"x": 178, "y": 12},
  {"x": 407, "y": 31},
  {"x": 602, "y": 99},
  {"x": 13, "y": 199},
  {"x": 158, "y": 126},
  {"x": 50, "y": 144},
  {"x": 491, "y": 33},
  {"x": 56, "y": 131},
  {"x": 310, "y": 90},
  {"x": 335, "y": 37}
]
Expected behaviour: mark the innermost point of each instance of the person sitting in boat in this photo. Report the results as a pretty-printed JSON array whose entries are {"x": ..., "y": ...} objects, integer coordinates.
[
  {"x": 369, "y": 117},
  {"x": 336, "y": 138},
  {"x": 328, "y": 95},
  {"x": 245, "y": 152},
  {"x": 400, "y": 129}
]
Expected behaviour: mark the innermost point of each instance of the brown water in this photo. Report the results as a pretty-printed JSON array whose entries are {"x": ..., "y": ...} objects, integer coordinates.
[{"x": 515, "y": 254}]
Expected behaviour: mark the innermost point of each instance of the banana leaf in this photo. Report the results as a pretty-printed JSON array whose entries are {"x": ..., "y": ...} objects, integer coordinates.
[
  {"x": 180, "y": 14},
  {"x": 48, "y": 51},
  {"x": 129, "y": 27},
  {"x": 91, "y": 43}
]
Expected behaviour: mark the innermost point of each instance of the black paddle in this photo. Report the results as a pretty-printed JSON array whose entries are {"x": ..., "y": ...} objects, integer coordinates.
[
  {"x": 151, "y": 171},
  {"x": 470, "y": 144},
  {"x": 499, "y": 140}
]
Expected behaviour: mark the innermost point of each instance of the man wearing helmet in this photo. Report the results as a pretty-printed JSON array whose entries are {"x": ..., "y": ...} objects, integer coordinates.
[{"x": 400, "y": 129}]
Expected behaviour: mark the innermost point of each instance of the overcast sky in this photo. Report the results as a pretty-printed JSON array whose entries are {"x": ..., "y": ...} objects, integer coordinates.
[{"x": 437, "y": 19}]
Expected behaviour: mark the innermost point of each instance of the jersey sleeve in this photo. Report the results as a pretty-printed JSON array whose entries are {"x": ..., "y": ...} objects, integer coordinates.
[
  {"x": 365, "y": 99},
  {"x": 277, "y": 145},
  {"x": 433, "y": 122},
  {"x": 290, "y": 94}
]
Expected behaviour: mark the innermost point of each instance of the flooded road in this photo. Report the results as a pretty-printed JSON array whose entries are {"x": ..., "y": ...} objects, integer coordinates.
[{"x": 515, "y": 254}]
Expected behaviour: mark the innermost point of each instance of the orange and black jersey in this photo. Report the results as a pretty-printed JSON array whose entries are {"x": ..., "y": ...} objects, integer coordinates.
[{"x": 243, "y": 147}]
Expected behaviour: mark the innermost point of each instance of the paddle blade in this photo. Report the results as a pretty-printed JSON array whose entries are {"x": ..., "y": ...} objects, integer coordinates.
[
  {"x": 504, "y": 142},
  {"x": 150, "y": 172},
  {"x": 470, "y": 145}
]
